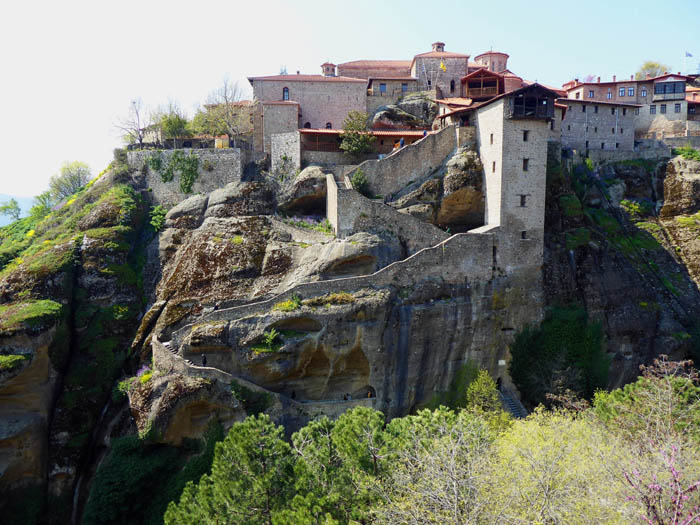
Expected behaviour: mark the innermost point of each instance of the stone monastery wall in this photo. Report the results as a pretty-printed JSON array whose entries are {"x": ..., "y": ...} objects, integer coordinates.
[
  {"x": 226, "y": 166},
  {"x": 393, "y": 173}
]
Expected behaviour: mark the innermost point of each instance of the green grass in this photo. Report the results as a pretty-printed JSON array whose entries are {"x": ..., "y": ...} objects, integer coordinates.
[
  {"x": 8, "y": 362},
  {"x": 691, "y": 222},
  {"x": 647, "y": 165},
  {"x": 604, "y": 220},
  {"x": 570, "y": 205},
  {"x": 637, "y": 208},
  {"x": 578, "y": 237},
  {"x": 291, "y": 304},
  {"x": 32, "y": 314},
  {"x": 237, "y": 240},
  {"x": 335, "y": 298},
  {"x": 323, "y": 227},
  {"x": 687, "y": 152}
]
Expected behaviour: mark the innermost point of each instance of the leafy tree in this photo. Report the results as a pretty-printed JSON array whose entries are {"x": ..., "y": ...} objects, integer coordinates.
[
  {"x": 224, "y": 113},
  {"x": 11, "y": 208},
  {"x": 652, "y": 68},
  {"x": 355, "y": 137},
  {"x": 250, "y": 480},
  {"x": 173, "y": 124},
  {"x": 42, "y": 205},
  {"x": 482, "y": 394},
  {"x": 360, "y": 183},
  {"x": 73, "y": 176}
]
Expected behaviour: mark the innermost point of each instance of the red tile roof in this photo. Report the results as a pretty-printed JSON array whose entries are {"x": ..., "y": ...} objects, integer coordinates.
[
  {"x": 376, "y": 63},
  {"x": 455, "y": 101},
  {"x": 305, "y": 78},
  {"x": 565, "y": 100},
  {"x": 279, "y": 103},
  {"x": 377, "y": 133},
  {"x": 393, "y": 78},
  {"x": 491, "y": 53},
  {"x": 574, "y": 85},
  {"x": 440, "y": 54}
]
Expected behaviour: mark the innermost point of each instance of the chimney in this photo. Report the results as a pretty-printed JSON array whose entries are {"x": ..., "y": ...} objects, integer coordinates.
[
  {"x": 614, "y": 78},
  {"x": 631, "y": 77},
  {"x": 576, "y": 81},
  {"x": 297, "y": 71},
  {"x": 598, "y": 80},
  {"x": 679, "y": 72},
  {"x": 665, "y": 72},
  {"x": 439, "y": 46}
]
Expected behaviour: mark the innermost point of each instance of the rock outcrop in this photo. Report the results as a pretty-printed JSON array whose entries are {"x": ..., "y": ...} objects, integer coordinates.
[{"x": 411, "y": 111}]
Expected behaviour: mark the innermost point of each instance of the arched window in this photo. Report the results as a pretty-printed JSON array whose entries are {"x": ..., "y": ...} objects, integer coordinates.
[
  {"x": 452, "y": 86},
  {"x": 307, "y": 125},
  {"x": 285, "y": 93},
  {"x": 328, "y": 125}
]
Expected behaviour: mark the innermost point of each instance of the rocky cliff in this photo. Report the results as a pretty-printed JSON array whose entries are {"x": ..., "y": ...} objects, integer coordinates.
[{"x": 110, "y": 329}]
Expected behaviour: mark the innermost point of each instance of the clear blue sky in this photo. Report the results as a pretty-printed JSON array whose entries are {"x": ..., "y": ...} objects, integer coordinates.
[{"x": 70, "y": 68}]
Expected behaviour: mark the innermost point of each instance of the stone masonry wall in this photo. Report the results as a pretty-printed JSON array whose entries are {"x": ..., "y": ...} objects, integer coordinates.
[
  {"x": 278, "y": 118},
  {"x": 320, "y": 101},
  {"x": 350, "y": 212},
  {"x": 309, "y": 157},
  {"x": 285, "y": 153},
  {"x": 226, "y": 166},
  {"x": 601, "y": 128},
  {"x": 393, "y": 173}
]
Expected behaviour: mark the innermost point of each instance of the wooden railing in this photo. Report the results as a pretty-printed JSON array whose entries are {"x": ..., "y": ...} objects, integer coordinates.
[{"x": 482, "y": 92}]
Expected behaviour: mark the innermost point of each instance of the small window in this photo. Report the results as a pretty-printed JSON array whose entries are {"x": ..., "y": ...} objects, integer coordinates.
[
  {"x": 691, "y": 110},
  {"x": 523, "y": 234},
  {"x": 663, "y": 108},
  {"x": 602, "y": 145},
  {"x": 677, "y": 108},
  {"x": 404, "y": 87},
  {"x": 307, "y": 125},
  {"x": 578, "y": 94},
  {"x": 285, "y": 93},
  {"x": 622, "y": 130},
  {"x": 613, "y": 131},
  {"x": 452, "y": 86},
  {"x": 622, "y": 92},
  {"x": 586, "y": 144},
  {"x": 382, "y": 88},
  {"x": 551, "y": 125},
  {"x": 568, "y": 128},
  {"x": 652, "y": 109},
  {"x": 329, "y": 125},
  {"x": 609, "y": 94},
  {"x": 595, "y": 129},
  {"x": 526, "y": 164},
  {"x": 612, "y": 111},
  {"x": 523, "y": 201},
  {"x": 595, "y": 109},
  {"x": 493, "y": 167},
  {"x": 624, "y": 111},
  {"x": 636, "y": 111},
  {"x": 491, "y": 138},
  {"x": 590, "y": 93},
  {"x": 630, "y": 92},
  {"x": 526, "y": 134},
  {"x": 586, "y": 128},
  {"x": 583, "y": 108},
  {"x": 643, "y": 92},
  {"x": 429, "y": 83},
  {"x": 617, "y": 145}
]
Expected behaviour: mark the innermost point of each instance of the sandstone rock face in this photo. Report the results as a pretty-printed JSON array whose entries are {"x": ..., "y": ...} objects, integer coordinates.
[
  {"x": 681, "y": 188},
  {"x": 304, "y": 193},
  {"x": 412, "y": 111},
  {"x": 453, "y": 199}
]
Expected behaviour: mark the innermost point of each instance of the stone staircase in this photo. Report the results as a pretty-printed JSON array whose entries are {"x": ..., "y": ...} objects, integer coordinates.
[{"x": 512, "y": 404}]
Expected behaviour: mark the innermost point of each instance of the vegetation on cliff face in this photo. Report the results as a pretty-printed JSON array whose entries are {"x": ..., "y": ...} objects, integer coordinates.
[{"x": 628, "y": 458}]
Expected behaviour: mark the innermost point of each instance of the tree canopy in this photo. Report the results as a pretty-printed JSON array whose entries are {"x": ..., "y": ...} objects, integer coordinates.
[
  {"x": 355, "y": 137},
  {"x": 73, "y": 176},
  {"x": 652, "y": 68},
  {"x": 224, "y": 113},
  {"x": 11, "y": 209}
]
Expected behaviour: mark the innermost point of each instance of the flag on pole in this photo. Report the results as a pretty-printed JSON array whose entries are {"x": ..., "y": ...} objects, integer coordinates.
[
  {"x": 688, "y": 54},
  {"x": 442, "y": 66}
]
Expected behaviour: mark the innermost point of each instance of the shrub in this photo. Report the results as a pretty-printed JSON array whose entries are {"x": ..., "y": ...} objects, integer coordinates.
[
  {"x": 8, "y": 362},
  {"x": 360, "y": 183},
  {"x": 335, "y": 298},
  {"x": 157, "y": 217},
  {"x": 687, "y": 152},
  {"x": 291, "y": 304},
  {"x": 564, "y": 353}
]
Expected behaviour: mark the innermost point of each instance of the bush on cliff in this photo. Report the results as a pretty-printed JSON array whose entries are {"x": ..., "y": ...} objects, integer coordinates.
[{"x": 564, "y": 353}]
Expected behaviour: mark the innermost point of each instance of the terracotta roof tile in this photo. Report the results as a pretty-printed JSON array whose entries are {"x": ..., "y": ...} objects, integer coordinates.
[
  {"x": 376, "y": 63},
  {"x": 377, "y": 133},
  {"x": 440, "y": 54},
  {"x": 305, "y": 78},
  {"x": 492, "y": 52}
]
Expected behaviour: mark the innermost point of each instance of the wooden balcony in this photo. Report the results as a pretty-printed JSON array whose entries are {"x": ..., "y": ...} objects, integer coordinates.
[{"x": 481, "y": 92}]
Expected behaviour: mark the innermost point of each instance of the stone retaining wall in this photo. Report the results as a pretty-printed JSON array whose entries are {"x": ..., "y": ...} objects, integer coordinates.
[
  {"x": 332, "y": 157},
  {"x": 226, "y": 165},
  {"x": 349, "y": 212},
  {"x": 285, "y": 153},
  {"x": 409, "y": 164}
]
